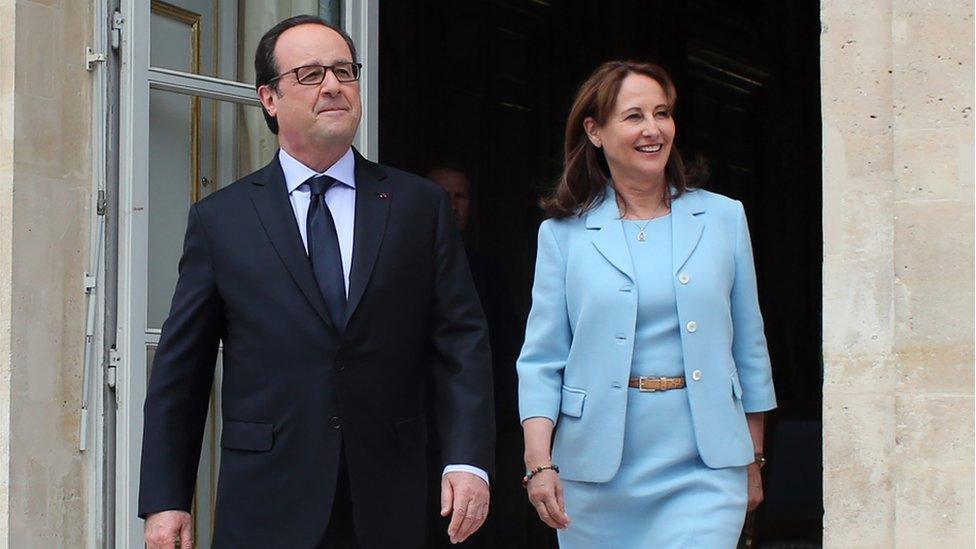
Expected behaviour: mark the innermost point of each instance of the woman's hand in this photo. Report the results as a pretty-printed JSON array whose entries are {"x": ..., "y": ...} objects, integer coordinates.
[
  {"x": 757, "y": 428},
  {"x": 544, "y": 488},
  {"x": 755, "y": 486},
  {"x": 546, "y": 494}
]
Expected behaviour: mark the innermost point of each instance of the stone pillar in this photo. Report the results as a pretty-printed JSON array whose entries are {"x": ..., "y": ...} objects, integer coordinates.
[
  {"x": 7, "y": 52},
  {"x": 45, "y": 189},
  {"x": 897, "y": 95}
]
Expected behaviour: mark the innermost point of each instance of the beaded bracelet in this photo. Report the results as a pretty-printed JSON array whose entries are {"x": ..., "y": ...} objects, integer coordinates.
[{"x": 528, "y": 476}]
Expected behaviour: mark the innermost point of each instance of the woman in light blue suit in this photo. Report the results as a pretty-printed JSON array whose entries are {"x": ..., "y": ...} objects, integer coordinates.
[{"x": 644, "y": 349}]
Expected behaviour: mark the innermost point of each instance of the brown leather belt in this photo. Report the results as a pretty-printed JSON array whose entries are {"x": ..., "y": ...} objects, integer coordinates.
[{"x": 648, "y": 384}]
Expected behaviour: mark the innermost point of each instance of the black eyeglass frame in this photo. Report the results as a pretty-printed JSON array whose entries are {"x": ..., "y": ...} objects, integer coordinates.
[{"x": 325, "y": 71}]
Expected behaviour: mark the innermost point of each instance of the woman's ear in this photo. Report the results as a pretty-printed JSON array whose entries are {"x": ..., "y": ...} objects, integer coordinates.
[{"x": 592, "y": 131}]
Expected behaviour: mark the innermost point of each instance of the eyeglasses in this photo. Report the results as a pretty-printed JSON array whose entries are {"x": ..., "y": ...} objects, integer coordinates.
[{"x": 313, "y": 75}]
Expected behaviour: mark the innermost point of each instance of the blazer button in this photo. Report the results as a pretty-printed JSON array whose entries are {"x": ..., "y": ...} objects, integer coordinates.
[
  {"x": 696, "y": 375},
  {"x": 334, "y": 422},
  {"x": 339, "y": 365},
  {"x": 684, "y": 278},
  {"x": 692, "y": 326}
]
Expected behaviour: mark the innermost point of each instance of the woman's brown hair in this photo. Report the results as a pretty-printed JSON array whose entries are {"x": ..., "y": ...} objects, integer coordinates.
[{"x": 585, "y": 177}]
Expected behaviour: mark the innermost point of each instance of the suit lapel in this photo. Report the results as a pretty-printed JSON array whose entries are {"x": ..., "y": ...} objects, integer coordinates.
[
  {"x": 609, "y": 237},
  {"x": 270, "y": 199},
  {"x": 687, "y": 227},
  {"x": 373, "y": 197}
]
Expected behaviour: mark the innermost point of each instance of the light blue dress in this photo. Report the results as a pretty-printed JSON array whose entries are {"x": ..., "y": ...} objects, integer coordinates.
[{"x": 663, "y": 496}]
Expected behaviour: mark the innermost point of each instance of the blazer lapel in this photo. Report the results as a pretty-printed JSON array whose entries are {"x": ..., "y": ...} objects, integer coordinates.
[
  {"x": 270, "y": 199},
  {"x": 609, "y": 237},
  {"x": 373, "y": 197},
  {"x": 687, "y": 227}
]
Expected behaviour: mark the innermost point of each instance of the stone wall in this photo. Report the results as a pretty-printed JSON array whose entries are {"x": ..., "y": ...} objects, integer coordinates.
[
  {"x": 45, "y": 189},
  {"x": 897, "y": 95}
]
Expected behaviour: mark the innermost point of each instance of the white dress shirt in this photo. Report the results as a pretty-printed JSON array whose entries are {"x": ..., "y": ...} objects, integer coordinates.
[{"x": 341, "y": 199}]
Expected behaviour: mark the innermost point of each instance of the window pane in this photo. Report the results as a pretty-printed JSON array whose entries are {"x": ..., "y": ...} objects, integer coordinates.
[
  {"x": 257, "y": 16},
  {"x": 331, "y": 11},
  {"x": 218, "y": 37},
  {"x": 195, "y": 146},
  {"x": 184, "y": 34}
]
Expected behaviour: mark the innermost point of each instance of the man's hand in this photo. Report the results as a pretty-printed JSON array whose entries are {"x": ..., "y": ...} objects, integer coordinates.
[
  {"x": 169, "y": 529},
  {"x": 755, "y": 486},
  {"x": 465, "y": 497}
]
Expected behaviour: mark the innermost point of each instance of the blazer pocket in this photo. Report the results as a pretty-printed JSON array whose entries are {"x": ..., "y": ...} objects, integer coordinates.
[
  {"x": 736, "y": 385},
  {"x": 247, "y": 435},
  {"x": 572, "y": 402},
  {"x": 412, "y": 431}
]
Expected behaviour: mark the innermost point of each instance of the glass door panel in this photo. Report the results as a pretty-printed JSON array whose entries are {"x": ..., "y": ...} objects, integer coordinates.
[
  {"x": 196, "y": 146},
  {"x": 182, "y": 170}
]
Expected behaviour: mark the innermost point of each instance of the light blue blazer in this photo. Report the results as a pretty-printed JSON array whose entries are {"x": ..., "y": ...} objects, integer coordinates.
[{"x": 579, "y": 341}]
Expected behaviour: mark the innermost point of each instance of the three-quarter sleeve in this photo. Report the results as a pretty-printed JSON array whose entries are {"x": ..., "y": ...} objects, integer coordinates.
[
  {"x": 548, "y": 335},
  {"x": 749, "y": 341}
]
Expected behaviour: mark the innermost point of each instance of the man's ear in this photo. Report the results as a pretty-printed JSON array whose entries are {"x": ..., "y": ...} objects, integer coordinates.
[
  {"x": 268, "y": 99},
  {"x": 592, "y": 131}
]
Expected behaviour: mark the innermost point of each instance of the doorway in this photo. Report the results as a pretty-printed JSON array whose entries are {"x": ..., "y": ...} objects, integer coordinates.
[{"x": 485, "y": 86}]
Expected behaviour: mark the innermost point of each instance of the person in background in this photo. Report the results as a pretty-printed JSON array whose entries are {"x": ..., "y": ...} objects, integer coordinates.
[
  {"x": 644, "y": 349},
  {"x": 458, "y": 188},
  {"x": 506, "y": 523}
]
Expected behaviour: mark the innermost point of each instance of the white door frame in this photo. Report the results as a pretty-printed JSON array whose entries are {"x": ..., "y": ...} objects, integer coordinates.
[{"x": 362, "y": 23}]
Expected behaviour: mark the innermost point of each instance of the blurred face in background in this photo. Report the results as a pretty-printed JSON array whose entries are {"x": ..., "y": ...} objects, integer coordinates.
[{"x": 458, "y": 188}]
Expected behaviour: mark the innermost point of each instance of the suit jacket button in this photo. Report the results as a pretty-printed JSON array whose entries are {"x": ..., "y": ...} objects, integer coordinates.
[
  {"x": 334, "y": 422},
  {"x": 696, "y": 375},
  {"x": 684, "y": 278},
  {"x": 339, "y": 365},
  {"x": 692, "y": 326}
]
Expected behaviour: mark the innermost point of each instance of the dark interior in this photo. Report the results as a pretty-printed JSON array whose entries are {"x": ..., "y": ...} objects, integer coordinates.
[{"x": 485, "y": 86}]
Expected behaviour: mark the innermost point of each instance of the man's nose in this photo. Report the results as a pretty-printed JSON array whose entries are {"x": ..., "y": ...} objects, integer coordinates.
[{"x": 330, "y": 84}]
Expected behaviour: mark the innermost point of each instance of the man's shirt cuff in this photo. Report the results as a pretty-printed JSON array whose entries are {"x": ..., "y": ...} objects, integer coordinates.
[{"x": 467, "y": 469}]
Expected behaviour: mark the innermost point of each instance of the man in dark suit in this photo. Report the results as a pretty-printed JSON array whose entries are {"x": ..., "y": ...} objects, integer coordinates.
[{"x": 335, "y": 284}]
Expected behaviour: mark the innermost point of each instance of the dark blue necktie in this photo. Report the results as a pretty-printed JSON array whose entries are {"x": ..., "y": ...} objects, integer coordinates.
[{"x": 323, "y": 251}]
